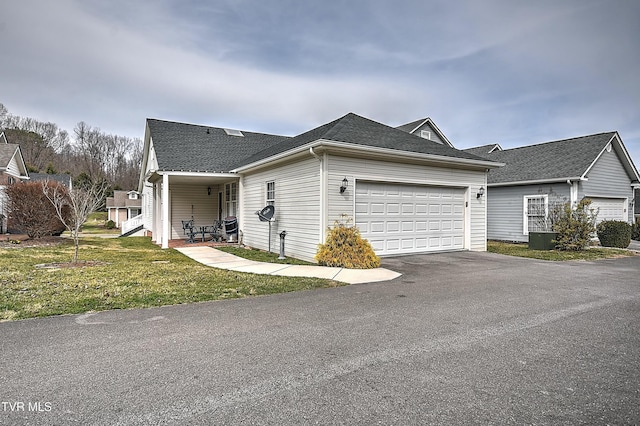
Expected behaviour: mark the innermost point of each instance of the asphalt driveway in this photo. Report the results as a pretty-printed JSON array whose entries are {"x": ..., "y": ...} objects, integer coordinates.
[{"x": 460, "y": 338}]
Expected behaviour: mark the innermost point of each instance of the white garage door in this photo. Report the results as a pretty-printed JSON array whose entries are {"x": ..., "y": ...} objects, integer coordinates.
[
  {"x": 400, "y": 219},
  {"x": 609, "y": 208}
]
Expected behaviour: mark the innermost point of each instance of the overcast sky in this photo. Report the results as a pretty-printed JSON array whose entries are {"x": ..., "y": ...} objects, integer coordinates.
[{"x": 486, "y": 71}]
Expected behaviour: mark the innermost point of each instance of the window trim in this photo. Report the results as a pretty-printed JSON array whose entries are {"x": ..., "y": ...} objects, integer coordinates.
[
  {"x": 270, "y": 201},
  {"x": 231, "y": 199},
  {"x": 525, "y": 211}
]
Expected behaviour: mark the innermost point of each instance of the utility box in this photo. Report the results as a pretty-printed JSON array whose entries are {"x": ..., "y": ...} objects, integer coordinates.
[{"x": 542, "y": 240}]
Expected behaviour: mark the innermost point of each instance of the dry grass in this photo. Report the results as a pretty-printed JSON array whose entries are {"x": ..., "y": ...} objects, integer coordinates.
[{"x": 129, "y": 273}]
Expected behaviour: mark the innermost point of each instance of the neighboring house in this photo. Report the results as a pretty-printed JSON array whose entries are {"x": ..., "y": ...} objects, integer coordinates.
[
  {"x": 535, "y": 177},
  {"x": 406, "y": 194},
  {"x": 427, "y": 129},
  {"x": 12, "y": 170},
  {"x": 64, "y": 179},
  {"x": 123, "y": 206}
]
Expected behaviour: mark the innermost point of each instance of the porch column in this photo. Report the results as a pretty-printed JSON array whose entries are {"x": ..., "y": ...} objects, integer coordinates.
[
  {"x": 240, "y": 201},
  {"x": 166, "y": 220}
]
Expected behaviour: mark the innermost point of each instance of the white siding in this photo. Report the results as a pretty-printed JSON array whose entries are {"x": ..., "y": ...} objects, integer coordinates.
[
  {"x": 4, "y": 208},
  {"x": 297, "y": 204},
  {"x": 608, "y": 179},
  {"x": 147, "y": 206},
  {"x": 384, "y": 171},
  {"x": 147, "y": 190},
  {"x": 191, "y": 201},
  {"x": 505, "y": 208},
  {"x": 13, "y": 168}
]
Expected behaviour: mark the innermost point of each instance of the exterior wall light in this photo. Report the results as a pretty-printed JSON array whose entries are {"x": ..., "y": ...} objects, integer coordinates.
[
  {"x": 480, "y": 192},
  {"x": 208, "y": 190},
  {"x": 344, "y": 185}
]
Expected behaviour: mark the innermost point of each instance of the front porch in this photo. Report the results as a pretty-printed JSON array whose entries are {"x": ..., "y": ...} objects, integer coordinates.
[{"x": 201, "y": 198}]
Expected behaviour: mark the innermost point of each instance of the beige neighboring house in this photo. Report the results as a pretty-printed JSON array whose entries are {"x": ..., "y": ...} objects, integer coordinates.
[
  {"x": 123, "y": 206},
  {"x": 12, "y": 170}
]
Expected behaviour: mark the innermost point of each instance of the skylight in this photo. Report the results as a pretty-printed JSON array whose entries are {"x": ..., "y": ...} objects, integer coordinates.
[{"x": 233, "y": 132}]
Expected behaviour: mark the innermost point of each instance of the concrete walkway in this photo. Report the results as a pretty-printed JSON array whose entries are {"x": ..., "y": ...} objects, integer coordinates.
[{"x": 219, "y": 259}]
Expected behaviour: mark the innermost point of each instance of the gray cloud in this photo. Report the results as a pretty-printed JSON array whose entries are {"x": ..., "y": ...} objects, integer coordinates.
[{"x": 491, "y": 71}]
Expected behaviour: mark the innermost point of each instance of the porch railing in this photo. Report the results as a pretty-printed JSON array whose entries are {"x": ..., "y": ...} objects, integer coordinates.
[{"x": 130, "y": 224}]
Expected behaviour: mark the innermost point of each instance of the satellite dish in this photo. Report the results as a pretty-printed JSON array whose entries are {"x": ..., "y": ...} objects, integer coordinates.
[{"x": 266, "y": 214}]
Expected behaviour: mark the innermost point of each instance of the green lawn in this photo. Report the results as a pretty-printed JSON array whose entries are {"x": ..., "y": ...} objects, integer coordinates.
[
  {"x": 95, "y": 224},
  {"x": 522, "y": 250},
  {"x": 262, "y": 256},
  {"x": 136, "y": 273}
]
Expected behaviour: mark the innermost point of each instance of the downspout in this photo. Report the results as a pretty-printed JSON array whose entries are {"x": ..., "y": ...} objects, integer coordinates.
[
  {"x": 323, "y": 196},
  {"x": 573, "y": 197}
]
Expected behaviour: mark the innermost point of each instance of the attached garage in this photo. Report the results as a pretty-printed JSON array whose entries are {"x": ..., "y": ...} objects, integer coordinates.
[
  {"x": 609, "y": 208},
  {"x": 402, "y": 218}
]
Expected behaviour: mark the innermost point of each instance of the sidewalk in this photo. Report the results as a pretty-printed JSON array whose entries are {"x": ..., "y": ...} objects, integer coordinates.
[{"x": 219, "y": 259}]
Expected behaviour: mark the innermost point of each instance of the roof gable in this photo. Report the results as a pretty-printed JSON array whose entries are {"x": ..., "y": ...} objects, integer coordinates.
[{"x": 11, "y": 160}]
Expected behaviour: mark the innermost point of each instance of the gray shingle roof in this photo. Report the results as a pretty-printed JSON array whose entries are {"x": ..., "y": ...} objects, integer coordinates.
[
  {"x": 481, "y": 151},
  {"x": 64, "y": 179},
  {"x": 410, "y": 126},
  {"x": 190, "y": 147},
  {"x": 7, "y": 150},
  {"x": 567, "y": 158},
  {"x": 357, "y": 130}
]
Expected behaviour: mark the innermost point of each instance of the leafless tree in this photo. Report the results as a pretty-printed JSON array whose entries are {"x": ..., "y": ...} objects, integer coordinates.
[{"x": 74, "y": 206}]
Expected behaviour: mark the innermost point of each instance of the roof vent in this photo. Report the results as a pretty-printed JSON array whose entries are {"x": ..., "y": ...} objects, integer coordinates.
[
  {"x": 232, "y": 132},
  {"x": 425, "y": 134}
]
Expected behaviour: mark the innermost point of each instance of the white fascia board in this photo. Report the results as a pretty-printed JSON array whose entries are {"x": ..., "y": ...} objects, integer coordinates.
[
  {"x": 195, "y": 173},
  {"x": 386, "y": 152},
  {"x": 537, "y": 181},
  {"x": 145, "y": 156}
]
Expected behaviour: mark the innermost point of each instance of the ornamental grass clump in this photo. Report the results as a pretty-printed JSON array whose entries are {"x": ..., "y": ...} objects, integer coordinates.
[{"x": 346, "y": 248}]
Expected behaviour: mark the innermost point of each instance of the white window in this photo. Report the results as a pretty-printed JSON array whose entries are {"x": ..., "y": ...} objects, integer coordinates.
[
  {"x": 133, "y": 195},
  {"x": 271, "y": 193},
  {"x": 231, "y": 197},
  {"x": 426, "y": 134},
  {"x": 536, "y": 210}
]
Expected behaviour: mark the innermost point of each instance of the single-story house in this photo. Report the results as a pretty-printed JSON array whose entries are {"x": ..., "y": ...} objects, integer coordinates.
[
  {"x": 123, "y": 206},
  {"x": 12, "y": 170},
  {"x": 406, "y": 193},
  {"x": 535, "y": 177}
]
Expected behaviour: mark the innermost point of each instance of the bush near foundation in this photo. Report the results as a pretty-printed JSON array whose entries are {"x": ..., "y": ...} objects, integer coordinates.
[
  {"x": 635, "y": 231},
  {"x": 346, "y": 248},
  {"x": 575, "y": 226},
  {"x": 614, "y": 233},
  {"x": 30, "y": 212}
]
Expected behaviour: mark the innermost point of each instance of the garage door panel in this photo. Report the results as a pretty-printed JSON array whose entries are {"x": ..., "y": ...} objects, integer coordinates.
[
  {"x": 393, "y": 209},
  {"x": 609, "y": 208},
  {"x": 410, "y": 218},
  {"x": 408, "y": 226}
]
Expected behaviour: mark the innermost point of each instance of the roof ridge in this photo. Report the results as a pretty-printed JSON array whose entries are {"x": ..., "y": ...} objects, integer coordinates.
[
  {"x": 205, "y": 126},
  {"x": 554, "y": 141}
]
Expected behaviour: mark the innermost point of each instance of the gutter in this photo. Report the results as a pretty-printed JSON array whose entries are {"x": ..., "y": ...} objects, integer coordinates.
[{"x": 538, "y": 181}]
